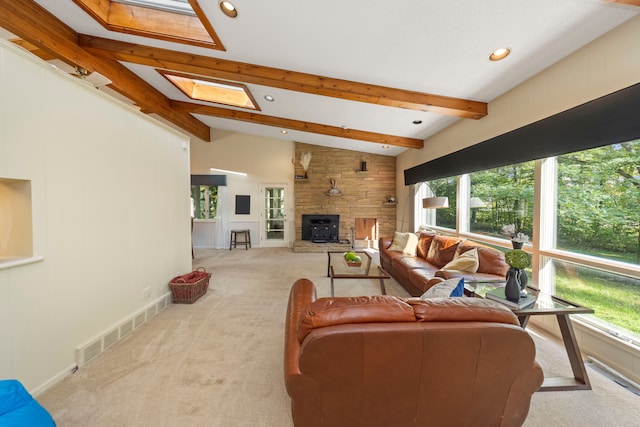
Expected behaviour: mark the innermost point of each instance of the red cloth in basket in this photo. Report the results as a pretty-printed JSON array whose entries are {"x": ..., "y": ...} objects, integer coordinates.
[{"x": 189, "y": 287}]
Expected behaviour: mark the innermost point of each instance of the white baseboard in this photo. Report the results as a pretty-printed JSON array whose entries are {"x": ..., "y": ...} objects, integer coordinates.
[
  {"x": 109, "y": 337},
  {"x": 106, "y": 339}
]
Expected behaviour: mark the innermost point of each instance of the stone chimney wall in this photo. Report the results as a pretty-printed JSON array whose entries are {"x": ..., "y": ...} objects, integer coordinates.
[{"x": 363, "y": 194}]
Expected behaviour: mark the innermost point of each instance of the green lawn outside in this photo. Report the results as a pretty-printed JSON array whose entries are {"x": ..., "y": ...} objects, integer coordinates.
[{"x": 615, "y": 302}]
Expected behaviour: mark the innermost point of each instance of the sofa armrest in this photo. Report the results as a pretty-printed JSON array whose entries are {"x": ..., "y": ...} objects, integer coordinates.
[
  {"x": 303, "y": 293},
  {"x": 384, "y": 242}
]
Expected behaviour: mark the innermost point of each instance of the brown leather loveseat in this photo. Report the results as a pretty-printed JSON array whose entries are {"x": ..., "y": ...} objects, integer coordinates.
[
  {"x": 383, "y": 361},
  {"x": 415, "y": 272}
]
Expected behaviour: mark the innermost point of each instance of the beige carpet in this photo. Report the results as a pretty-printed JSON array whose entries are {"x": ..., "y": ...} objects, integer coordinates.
[{"x": 218, "y": 362}]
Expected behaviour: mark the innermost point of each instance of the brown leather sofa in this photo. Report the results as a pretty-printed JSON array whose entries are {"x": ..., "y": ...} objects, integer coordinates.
[
  {"x": 416, "y": 273},
  {"x": 382, "y": 361}
]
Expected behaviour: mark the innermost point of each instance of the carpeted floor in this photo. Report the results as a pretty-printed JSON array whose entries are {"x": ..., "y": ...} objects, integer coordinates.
[{"x": 218, "y": 362}]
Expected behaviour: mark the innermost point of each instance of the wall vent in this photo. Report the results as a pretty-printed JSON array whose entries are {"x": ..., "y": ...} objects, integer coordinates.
[
  {"x": 111, "y": 338},
  {"x": 94, "y": 347},
  {"x": 92, "y": 350},
  {"x": 151, "y": 311},
  {"x": 140, "y": 319},
  {"x": 126, "y": 328}
]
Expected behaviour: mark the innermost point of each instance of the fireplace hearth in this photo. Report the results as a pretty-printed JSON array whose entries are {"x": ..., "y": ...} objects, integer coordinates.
[{"x": 321, "y": 228}]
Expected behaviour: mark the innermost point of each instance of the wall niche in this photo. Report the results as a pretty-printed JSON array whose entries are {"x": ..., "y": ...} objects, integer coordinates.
[{"x": 16, "y": 235}]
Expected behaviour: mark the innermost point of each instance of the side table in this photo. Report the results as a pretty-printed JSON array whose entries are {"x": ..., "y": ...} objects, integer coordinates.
[{"x": 562, "y": 309}]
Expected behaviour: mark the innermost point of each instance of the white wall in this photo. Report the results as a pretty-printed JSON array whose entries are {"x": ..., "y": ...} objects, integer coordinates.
[
  {"x": 606, "y": 65},
  {"x": 110, "y": 191},
  {"x": 264, "y": 160}
]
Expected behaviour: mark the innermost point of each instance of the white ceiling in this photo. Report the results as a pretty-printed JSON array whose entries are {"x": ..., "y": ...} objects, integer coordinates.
[{"x": 432, "y": 46}]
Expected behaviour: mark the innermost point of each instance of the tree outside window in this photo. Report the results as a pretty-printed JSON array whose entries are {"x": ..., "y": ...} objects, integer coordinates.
[
  {"x": 598, "y": 200},
  {"x": 204, "y": 199},
  {"x": 502, "y": 196}
]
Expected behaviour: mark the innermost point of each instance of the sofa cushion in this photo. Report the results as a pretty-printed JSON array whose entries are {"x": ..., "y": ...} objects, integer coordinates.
[
  {"x": 342, "y": 310},
  {"x": 405, "y": 243},
  {"x": 442, "y": 250},
  {"x": 409, "y": 263},
  {"x": 464, "y": 261},
  {"x": 424, "y": 243},
  {"x": 445, "y": 289},
  {"x": 490, "y": 260},
  {"x": 461, "y": 310}
]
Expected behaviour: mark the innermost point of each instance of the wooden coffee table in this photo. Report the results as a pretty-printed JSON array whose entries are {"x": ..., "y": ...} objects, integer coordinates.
[
  {"x": 562, "y": 309},
  {"x": 337, "y": 268}
]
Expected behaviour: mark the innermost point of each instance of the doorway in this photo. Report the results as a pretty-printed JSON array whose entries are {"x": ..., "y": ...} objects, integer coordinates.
[{"x": 274, "y": 230}]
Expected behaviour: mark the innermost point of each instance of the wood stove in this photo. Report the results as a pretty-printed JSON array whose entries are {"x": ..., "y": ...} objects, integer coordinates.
[{"x": 321, "y": 228}]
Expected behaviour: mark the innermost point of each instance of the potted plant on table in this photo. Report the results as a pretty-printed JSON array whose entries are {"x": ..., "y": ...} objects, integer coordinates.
[
  {"x": 518, "y": 238},
  {"x": 516, "y": 286}
]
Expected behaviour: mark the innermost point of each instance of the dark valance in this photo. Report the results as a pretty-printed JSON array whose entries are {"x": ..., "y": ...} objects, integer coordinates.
[
  {"x": 607, "y": 120},
  {"x": 209, "y": 180}
]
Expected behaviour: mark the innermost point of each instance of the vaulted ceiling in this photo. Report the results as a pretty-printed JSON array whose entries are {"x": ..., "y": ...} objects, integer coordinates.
[{"x": 373, "y": 76}]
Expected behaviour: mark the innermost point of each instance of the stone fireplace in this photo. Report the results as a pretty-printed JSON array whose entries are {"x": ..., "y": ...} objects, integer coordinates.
[{"x": 362, "y": 206}]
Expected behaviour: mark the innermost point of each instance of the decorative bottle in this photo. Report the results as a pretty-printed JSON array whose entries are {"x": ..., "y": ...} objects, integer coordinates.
[{"x": 512, "y": 288}]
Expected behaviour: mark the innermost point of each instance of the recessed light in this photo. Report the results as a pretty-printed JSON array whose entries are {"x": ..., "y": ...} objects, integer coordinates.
[
  {"x": 228, "y": 9},
  {"x": 499, "y": 54},
  {"x": 269, "y": 98},
  {"x": 284, "y": 131},
  {"x": 385, "y": 147},
  {"x": 417, "y": 122}
]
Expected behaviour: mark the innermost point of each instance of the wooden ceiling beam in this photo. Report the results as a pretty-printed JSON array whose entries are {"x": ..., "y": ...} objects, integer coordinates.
[
  {"x": 299, "y": 125},
  {"x": 46, "y": 56},
  {"x": 29, "y": 21},
  {"x": 627, "y": 2},
  {"x": 283, "y": 79}
]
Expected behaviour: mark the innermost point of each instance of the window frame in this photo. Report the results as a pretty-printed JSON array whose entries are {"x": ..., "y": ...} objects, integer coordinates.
[{"x": 543, "y": 248}]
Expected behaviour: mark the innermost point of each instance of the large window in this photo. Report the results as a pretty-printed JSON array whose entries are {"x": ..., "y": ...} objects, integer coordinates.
[
  {"x": 586, "y": 212},
  {"x": 204, "y": 201},
  {"x": 614, "y": 298},
  {"x": 442, "y": 217},
  {"x": 500, "y": 197},
  {"x": 599, "y": 202}
]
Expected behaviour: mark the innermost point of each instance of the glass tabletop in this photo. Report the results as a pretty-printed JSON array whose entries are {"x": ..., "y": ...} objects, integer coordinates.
[
  {"x": 338, "y": 267},
  {"x": 545, "y": 303}
]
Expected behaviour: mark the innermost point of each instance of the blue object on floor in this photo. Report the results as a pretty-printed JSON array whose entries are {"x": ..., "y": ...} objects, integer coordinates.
[{"x": 19, "y": 409}]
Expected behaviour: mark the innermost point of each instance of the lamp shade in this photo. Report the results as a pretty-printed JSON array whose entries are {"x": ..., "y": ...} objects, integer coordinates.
[
  {"x": 476, "y": 202},
  {"x": 435, "y": 202}
]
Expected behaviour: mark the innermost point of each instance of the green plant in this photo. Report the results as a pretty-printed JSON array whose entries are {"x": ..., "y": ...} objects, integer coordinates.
[{"x": 517, "y": 258}]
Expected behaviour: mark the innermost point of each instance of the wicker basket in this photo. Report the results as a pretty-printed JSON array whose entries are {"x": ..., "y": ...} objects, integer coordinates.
[{"x": 188, "y": 288}]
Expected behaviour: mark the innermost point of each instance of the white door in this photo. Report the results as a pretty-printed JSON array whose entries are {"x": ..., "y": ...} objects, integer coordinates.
[{"x": 274, "y": 231}]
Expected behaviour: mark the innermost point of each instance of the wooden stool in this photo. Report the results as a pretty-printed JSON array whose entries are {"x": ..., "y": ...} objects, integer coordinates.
[{"x": 234, "y": 239}]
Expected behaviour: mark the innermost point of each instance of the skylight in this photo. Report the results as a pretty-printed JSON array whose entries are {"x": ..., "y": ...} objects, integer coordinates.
[
  {"x": 175, "y": 6},
  {"x": 211, "y": 90},
  {"x": 179, "y": 21}
]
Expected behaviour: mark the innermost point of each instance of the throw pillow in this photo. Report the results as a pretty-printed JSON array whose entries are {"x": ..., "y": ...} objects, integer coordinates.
[
  {"x": 424, "y": 243},
  {"x": 466, "y": 261},
  {"x": 448, "y": 288},
  {"x": 405, "y": 243},
  {"x": 442, "y": 250}
]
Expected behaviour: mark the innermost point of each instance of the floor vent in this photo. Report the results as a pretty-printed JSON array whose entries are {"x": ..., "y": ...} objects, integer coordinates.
[{"x": 97, "y": 345}]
